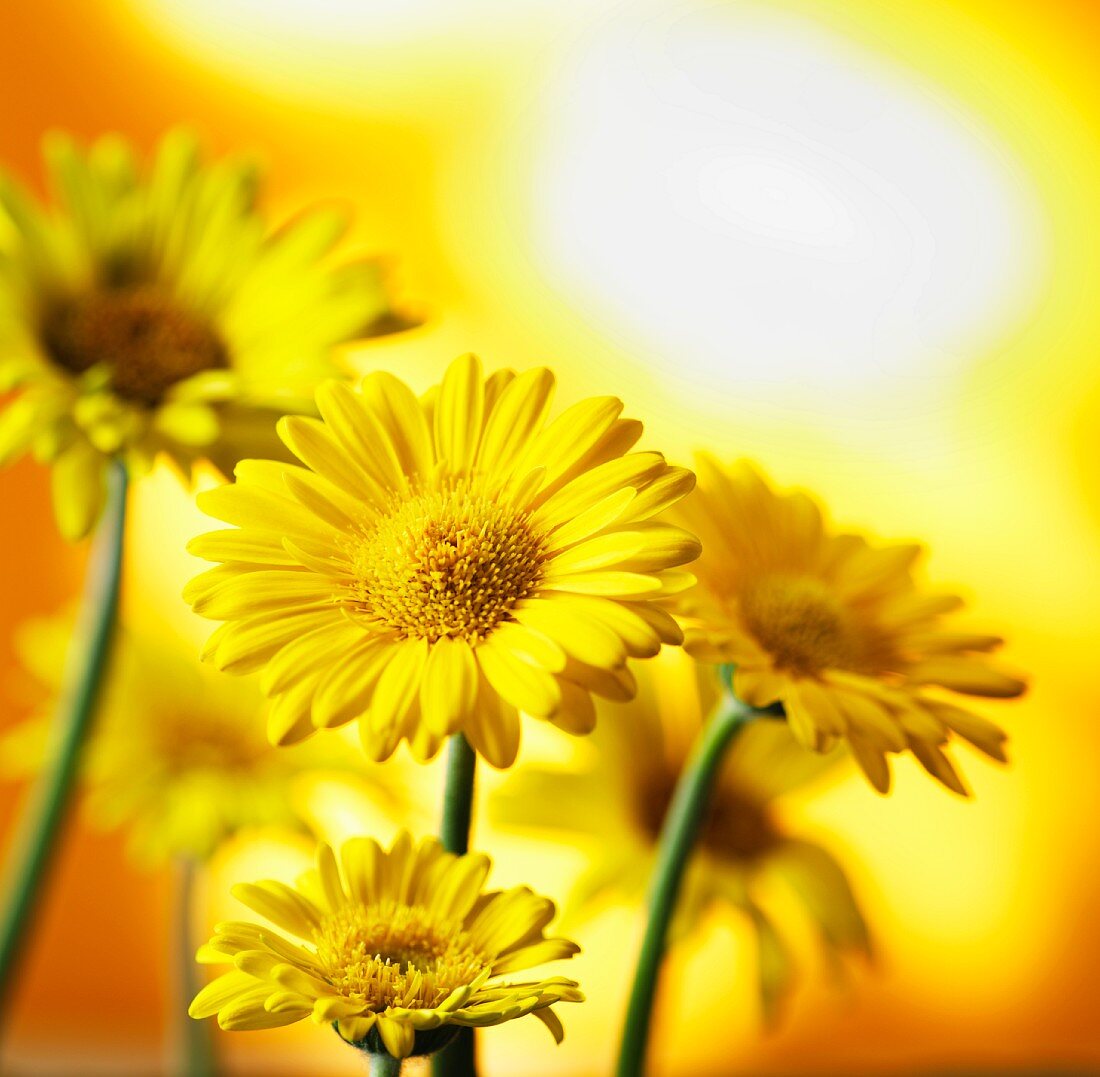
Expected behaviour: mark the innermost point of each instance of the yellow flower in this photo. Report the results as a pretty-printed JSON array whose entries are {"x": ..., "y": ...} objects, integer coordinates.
[
  {"x": 177, "y": 757},
  {"x": 442, "y": 564},
  {"x": 398, "y": 949},
  {"x": 833, "y": 628},
  {"x": 613, "y": 806},
  {"x": 155, "y": 311}
]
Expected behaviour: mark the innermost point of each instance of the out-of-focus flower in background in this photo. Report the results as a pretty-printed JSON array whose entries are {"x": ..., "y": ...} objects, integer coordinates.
[
  {"x": 177, "y": 758},
  {"x": 832, "y": 627},
  {"x": 154, "y": 310},
  {"x": 613, "y": 805},
  {"x": 445, "y": 564},
  {"x": 401, "y": 948}
]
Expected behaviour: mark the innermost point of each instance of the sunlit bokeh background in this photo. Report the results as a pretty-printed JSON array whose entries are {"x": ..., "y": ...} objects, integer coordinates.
[{"x": 854, "y": 240}]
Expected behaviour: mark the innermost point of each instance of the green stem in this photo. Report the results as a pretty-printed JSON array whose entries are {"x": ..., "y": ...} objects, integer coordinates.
[
  {"x": 196, "y": 1049},
  {"x": 40, "y": 824},
  {"x": 458, "y": 796},
  {"x": 384, "y": 1065},
  {"x": 458, "y": 1059},
  {"x": 681, "y": 827}
]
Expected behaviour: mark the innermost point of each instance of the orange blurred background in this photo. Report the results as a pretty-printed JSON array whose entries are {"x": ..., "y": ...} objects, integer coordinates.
[{"x": 849, "y": 239}]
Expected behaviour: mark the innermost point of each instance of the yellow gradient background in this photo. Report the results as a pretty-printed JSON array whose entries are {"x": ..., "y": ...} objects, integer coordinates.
[{"x": 567, "y": 183}]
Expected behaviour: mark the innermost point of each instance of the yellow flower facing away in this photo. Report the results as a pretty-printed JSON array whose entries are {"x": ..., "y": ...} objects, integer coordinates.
[
  {"x": 398, "y": 949},
  {"x": 612, "y": 806},
  {"x": 446, "y": 563},
  {"x": 834, "y": 628},
  {"x": 177, "y": 756},
  {"x": 154, "y": 310}
]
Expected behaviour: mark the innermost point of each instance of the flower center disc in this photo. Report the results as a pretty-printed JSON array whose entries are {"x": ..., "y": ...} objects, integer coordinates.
[
  {"x": 146, "y": 342},
  {"x": 395, "y": 955},
  {"x": 800, "y": 624},
  {"x": 448, "y": 562},
  {"x": 734, "y": 826}
]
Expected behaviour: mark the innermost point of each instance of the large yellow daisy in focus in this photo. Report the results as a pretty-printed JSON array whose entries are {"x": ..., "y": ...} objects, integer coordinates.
[
  {"x": 398, "y": 949},
  {"x": 154, "y": 310},
  {"x": 443, "y": 564},
  {"x": 833, "y": 628},
  {"x": 612, "y": 806}
]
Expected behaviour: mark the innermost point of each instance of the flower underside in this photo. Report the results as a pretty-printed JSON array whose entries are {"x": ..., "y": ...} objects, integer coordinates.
[
  {"x": 144, "y": 339},
  {"x": 385, "y": 955},
  {"x": 445, "y": 563}
]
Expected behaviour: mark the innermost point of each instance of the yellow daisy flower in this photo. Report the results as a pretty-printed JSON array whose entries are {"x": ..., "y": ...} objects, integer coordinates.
[
  {"x": 443, "y": 564},
  {"x": 155, "y": 311},
  {"x": 614, "y": 806},
  {"x": 177, "y": 757},
  {"x": 833, "y": 628},
  {"x": 397, "y": 949}
]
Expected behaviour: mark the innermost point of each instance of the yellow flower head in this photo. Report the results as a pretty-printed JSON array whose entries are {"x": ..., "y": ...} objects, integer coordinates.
[
  {"x": 614, "y": 805},
  {"x": 442, "y": 564},
  {"x": 833, "y": 628},
  {"x": 154, "y": 310},
  {"x": 397, "y": 949},
  {"x": 176, "y": 760}
]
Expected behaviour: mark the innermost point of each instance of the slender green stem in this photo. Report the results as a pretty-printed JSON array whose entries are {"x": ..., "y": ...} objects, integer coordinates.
[
  {"x": 40, "y": 824},
  {"x": 458, "y": 1059},
  {"x": 194, "y": 1044},
  {"x": 458, "y": 796},
  {"x": 681, "y": 827},
  {"x": 384, "y": 1065}
]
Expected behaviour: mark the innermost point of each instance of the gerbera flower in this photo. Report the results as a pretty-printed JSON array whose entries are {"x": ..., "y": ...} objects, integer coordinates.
[
  {"x": 178, "y": 762},
  {"x": 613, "y": 805},
  {"x": 155, "y": 311},
  {"x": 834, "y": 629},
  {"x": 398, "y": 949},
  {"x": 443, "y": 564}
]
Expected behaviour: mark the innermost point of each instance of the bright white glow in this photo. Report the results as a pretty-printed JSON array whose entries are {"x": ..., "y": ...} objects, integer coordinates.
[
  {"x": 745, "y": 199},
  {"x": 350, "y": 54}
]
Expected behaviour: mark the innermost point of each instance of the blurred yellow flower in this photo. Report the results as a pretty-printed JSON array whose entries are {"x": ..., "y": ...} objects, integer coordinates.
[
  {"x": 443, "y": 564},
  {"x": 177, "y": 756},
  {"x": 401, "y": 949},
  {"x": 156, "y": 311},
  {"x": 833, "y": 628},
  {"x": 614, "y": 806}
]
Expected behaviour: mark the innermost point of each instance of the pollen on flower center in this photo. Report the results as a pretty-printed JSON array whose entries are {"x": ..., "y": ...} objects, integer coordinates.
[
  {"x": 146, "y": 342},
  {"x": 395, "y": 955},
  {"x": 801, "y": 625},
  {"x": 449, "y": 562}
]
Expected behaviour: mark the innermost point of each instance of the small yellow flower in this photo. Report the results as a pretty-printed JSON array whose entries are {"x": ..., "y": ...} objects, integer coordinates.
[
  {"x": 155, "y": 311},
  {"x": 833, "y": 628},
  {"x": 614, "y": 805},
  {"x": 443, "y": 564},
  {"x": 177, "y": 757},
  {"x": 398, "y": 949}
]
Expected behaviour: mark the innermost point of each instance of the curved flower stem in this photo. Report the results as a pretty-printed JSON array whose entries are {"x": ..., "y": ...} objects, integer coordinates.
[
  {"x": 458, "y": 1059},
  {"x": 384, "y": 1065},
  {"x": 678, "y": 834},
  {"x": 196, "y": 1050},
  {"x": 86, "y": 663}
]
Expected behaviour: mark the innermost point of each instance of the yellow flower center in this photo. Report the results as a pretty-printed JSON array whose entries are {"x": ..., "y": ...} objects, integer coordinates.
[
  {"x": 197, "y": 741},
  {"x": 801, "y": 624},
  {"x": 449, "y": 562},
  {"x": 395, "y": 955},
  {"x": 146, "y": 342},
  {"x": 734, "y": 828}
]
